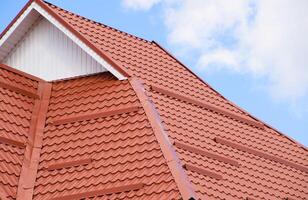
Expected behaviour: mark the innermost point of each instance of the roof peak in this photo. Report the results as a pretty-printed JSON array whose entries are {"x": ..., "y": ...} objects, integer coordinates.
[
  {"x": 98, "y": 23},
  {"x": 27, "y": 18}
]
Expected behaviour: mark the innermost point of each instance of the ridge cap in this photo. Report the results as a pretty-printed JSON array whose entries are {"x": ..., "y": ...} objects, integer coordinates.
[
  {"x": 30, "y": 163},
  {"x": 176, "y": 168}
]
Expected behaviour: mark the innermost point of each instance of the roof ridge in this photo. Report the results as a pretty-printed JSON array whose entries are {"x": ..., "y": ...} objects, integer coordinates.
[
  {"x": 180, "y": 177},
  {"x": 31, "y": 160},
  {"x": 98, "y": 23},
  {"x": 270, "y": 127},
  {"x": 193, "y": 73}
]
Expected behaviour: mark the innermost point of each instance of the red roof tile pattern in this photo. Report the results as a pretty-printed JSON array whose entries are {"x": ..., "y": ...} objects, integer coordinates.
[
  {"x": 15, "y": 116},
  {"x": 180, "y": 177},
  {"x": 142, "y": 58},
  {"x": 32, "y": 153},
  {"x": 162, "y": 134},
  {"x": 121, "y": 146},
  {"x": 257, "y": 177}
]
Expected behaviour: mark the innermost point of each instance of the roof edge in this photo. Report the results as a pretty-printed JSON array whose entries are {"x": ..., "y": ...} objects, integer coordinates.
[
  {"x": 16, "y": 18},
  {"x": 106, "y": 25},
  {"x": 193, "y": 73},
  {"x": 230, "y": 102},
  {"x": 180, "y": 177},
  {"x": 275, "y": 129},
  {"x": 178, "y": 61}
]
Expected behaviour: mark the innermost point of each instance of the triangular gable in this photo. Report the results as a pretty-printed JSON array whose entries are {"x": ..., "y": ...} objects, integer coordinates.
[
  {"x": 222, "y": 150},
  {"x": 40, "y": 43}
]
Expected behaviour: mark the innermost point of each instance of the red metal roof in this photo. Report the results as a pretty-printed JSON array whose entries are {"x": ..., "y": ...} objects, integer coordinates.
[
  {"x": 162, "y": 134},
  {"x": 16, "y": 105},
  {"x": 96, "y": 141}
]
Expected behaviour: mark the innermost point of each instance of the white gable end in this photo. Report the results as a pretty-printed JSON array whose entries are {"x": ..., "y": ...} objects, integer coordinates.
[
  {"x": 39, "y": 45},
  {"x": 48, "y": 53}
]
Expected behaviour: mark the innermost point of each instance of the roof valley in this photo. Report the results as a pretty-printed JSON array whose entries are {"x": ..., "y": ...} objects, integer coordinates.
[{"x": 34, "y": 145}]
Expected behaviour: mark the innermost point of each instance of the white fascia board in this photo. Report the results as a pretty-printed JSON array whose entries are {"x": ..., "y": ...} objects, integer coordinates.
[
  {"x": 52, "y": 20},
  {"x": 15, "y": 25}
]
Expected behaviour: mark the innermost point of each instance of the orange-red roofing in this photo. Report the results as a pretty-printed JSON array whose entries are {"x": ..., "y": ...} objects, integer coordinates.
[
  {"x": 162, "y": 134},
  {"x": 121, "y": 147},
  {"x": 96, "y": 138},
  {"x": 15, "y": 116}
]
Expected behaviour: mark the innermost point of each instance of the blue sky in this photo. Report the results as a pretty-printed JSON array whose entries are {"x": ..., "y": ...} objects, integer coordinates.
[{"x": 253, "y": 52}]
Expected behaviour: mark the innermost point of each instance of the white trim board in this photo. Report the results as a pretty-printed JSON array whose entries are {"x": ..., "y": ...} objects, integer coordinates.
[
  {"x": 5, "y": 40},
  {"x": 46, "y": 52}
]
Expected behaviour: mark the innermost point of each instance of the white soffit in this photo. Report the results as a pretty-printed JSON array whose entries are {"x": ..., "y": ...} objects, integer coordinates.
[{"x": 27, "y": 19}]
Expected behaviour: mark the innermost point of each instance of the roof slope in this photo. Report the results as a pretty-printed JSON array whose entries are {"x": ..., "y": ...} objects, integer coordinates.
[
  {"x": 113, "y": 139},
  {"x": 277, "y": 169},
  {"x": 98, "y": 124},
  {"x": 96, "y": 142},
  {"x": 17, "y": 94}
]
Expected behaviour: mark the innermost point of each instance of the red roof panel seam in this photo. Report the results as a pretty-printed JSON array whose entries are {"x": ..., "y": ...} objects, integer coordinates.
[
  {"x": 33, "y": 149},
  {"x": 18, "y": 90},
  {"x": 206, "y": 153},
  {"x": 204, "y": 82},
  {"x": 202, "y": 171},
  {"x": 174, "y": 163},
  {"x": 12, "y": 142},
  {"x": 69, "y": 164},
  {"x": 94, "y": 116},
  {"x": 207, "y": 106},
  {"x": 124, "y": 188},
  {"x": 261, "y": 154}
]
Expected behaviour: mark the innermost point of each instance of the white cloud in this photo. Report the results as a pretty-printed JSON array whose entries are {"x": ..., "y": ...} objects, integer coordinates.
[
  {"x": 219, "y": 58},
  {"x": 199, "y": 23},
  {"x": 140, "y": 4},
  {"x": 265, "y": 38},
  {"x": 277, "y": 46}
]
